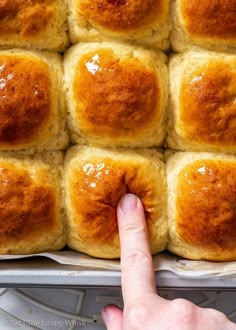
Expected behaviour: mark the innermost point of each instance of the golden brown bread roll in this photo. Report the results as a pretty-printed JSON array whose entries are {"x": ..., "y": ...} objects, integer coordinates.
[
  {"x": 203, "y": 108},
  {"x": 95, "y": 180},
  {"x": 32, "y": 102},
  {"x": 208, "y": 23},
  {"x": 31, "y": 207},
  {"x": 40, "y": 24},
  {"x": 117, "y": 95},
  {"x": 146, "y": 22},
  {"x": 201, "y": 206}
]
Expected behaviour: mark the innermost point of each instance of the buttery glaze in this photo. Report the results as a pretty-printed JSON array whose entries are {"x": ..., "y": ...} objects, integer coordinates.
[
  {"x": 25, "y": 104},
  {"x": 117, "y": 97},
  {"x": 96, "y": 189},
  {"x": 122, "y": 15},
  {"x": 26, "y": 207},
  {"x": 206, "y": 204},
  {"x": 210, "y": 18},
  {"x": 208, "y": 112},
  {"x": 25, "y": 17}
]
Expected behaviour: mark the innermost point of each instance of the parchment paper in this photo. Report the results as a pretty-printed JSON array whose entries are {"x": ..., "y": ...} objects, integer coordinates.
[{"x": 162, "y": 261}]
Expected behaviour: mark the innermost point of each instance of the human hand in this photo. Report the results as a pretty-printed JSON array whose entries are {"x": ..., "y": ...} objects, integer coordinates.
[{"x": 143, "y": 308}]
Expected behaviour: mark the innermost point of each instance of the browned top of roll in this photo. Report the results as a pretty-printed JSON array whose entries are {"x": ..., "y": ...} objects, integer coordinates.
[
  {"x": 207, "y": 103},
  {"x": 25, "y": 17},
  {"x": 210, "y": 18},
  {"x": 96, "y": 188},
  {"x": 25, "y": 98},
  {"x": 206, "y": 203},
  {"x": 27, "y": 207},
  {"x": 117, "y": 96},
  {"x": 123, "y": 15}
]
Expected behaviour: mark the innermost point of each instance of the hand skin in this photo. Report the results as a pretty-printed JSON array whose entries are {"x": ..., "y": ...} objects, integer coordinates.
[{"x": 143, "y": 308}]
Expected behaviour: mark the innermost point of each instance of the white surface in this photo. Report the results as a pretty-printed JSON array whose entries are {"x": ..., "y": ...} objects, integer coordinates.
[{"x": 72, "y": 309}]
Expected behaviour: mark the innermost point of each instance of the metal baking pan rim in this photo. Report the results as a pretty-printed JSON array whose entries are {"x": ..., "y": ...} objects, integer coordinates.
[{"x": 48, "y": 273}]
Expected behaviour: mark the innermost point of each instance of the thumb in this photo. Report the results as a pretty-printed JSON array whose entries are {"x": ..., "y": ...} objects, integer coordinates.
[{"x": 112, "y": 317}]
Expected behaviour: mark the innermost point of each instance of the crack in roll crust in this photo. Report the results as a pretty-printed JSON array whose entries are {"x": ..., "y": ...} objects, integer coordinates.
[
  {"x": 209, "y": 18},
  {"x": 25, "y": 94},
  {"x": 118, "y": 96},
  {"x": 206, "y": 204},
  {"x": 27, "y": 207},
  {"x": 122, "y": 15},
  {"x": 25, "y": 17},
  {"x": 207, "y": 99}
]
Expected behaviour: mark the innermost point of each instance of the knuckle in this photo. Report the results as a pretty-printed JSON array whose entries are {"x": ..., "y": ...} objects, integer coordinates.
[
  {"x": 184, "y": 310},
  {"x": 219, "y": 316},
  {"x": 137, "y": 315},
  {"x": 222, "y": 318},
  {"x": 136, "y": 258},
  {"x": 219, "y": 319}
]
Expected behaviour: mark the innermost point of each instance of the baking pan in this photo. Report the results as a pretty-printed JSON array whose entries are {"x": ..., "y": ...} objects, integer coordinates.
[{"x": 42, "y": 272}]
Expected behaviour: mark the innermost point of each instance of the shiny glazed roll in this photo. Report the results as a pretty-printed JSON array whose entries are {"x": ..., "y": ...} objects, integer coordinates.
[
  {"x": 208, "y": 23},
  {"x": 32, "y": 103},
  {"x": 31, "y": 207},
  {"x": 40, "y": 24},
  {"x": 146, "y": 22},
  {"x": 202, "y": 108},
  {"x": 201, "y": 206},
  {"x": 116, "y": 94},
  {"x": 95, "y": 181}
]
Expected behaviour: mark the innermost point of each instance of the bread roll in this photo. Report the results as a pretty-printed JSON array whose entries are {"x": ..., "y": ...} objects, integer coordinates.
[
  {"x": 117, "y": 95},
  {"x": 40, "y": 24},
  {"x": 145, "y": 22},
  {"x": 203, "y": 108},
  {"x": 32, "y": 102},
  {"x": 95, "y": 181},
  {"x": 201, "y": 206},
  {"x": 31, "y": 216},
  {"x": 209, "y": 23}
]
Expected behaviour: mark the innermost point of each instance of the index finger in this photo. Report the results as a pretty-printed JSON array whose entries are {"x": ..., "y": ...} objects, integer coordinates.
[{"x": 136, "y": 261}]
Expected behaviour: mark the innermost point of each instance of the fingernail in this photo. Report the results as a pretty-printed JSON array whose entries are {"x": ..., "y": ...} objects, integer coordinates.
[
  {"x": 105, "y": 315},
  {"x": 128, "y": 203}
]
